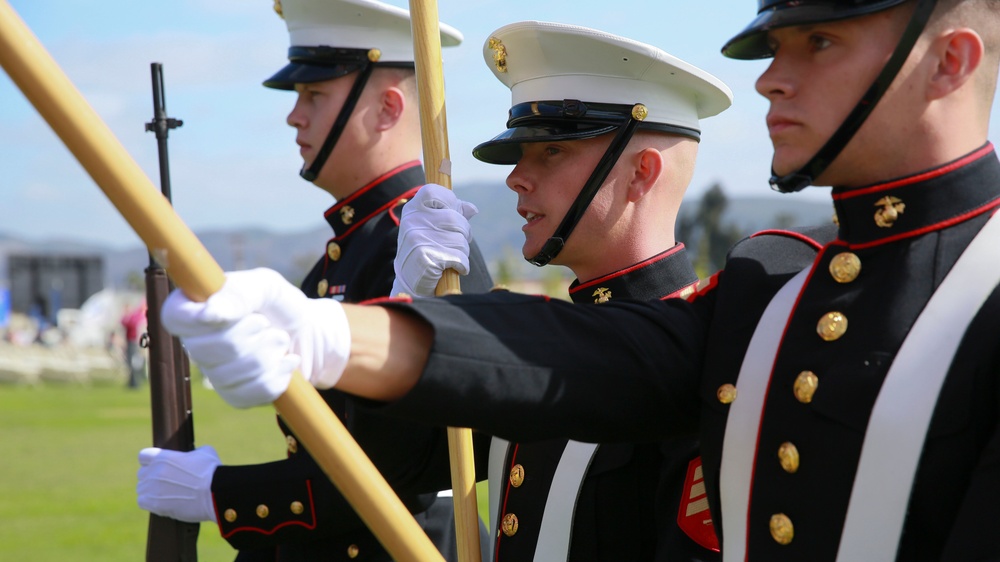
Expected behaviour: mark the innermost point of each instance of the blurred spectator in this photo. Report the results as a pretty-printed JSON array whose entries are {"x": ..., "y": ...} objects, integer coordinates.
[{"x": 134, "y": 322}]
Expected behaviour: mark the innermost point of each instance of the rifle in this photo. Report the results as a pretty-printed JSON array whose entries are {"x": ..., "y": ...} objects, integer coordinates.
[{"x": 167, "y": 540}]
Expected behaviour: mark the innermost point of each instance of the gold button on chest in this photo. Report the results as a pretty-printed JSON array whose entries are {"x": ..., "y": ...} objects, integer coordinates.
[
  {"x": 726, "y": 393},
  {"x": 832, "y": 326},
  {"x": 230, "y": 515},
  {"x": 353, "y": 551},
  {"x": 782, "y": 530},
  {"x": 805, "y": 386},
  {"x": 293, "y": 445},
  {"x": 263, "y": 511},
  {"x": 321, "y": 287},
  {"x": 845, "y": 267},
  {"x": 509, "y": 524},
  {"x": 788, "y": 456},
  {"x": 297, "y": 508},
  {"x": 333, "y": 251},
  {"x": 517, "y": 476}
]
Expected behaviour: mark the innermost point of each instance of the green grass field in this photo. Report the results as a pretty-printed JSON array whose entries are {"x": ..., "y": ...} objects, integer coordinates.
[{"x": 68, "y": 473}]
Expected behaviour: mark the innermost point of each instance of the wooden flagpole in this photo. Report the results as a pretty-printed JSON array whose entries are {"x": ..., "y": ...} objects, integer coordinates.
[{"x": 434, "y": 133}]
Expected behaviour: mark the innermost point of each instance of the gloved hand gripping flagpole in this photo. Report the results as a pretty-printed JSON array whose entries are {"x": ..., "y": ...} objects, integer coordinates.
[
  {"x": 194, "y": 271},
  {"x": 434, "y": 132}
]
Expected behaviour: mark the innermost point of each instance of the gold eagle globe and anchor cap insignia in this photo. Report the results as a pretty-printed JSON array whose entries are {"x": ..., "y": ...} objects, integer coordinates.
[
  {"x": 889, "y": 209},
  {"x": 499, "y": 54}
]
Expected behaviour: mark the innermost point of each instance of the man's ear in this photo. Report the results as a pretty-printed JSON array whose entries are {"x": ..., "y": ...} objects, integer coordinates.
[
  {"x": 959, "y": 53},
  {"x": 392, "y": 103},
  {"x": 648, "y": 164}
]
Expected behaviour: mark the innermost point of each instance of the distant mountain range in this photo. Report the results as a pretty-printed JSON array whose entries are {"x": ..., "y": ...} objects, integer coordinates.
[{"x": 497, "y": 229}]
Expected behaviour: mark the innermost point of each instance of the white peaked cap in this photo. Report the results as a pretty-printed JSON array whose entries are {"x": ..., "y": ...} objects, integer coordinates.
[
  {"x": 552, "y": 61},
  {"x": 356, "y": 24}
]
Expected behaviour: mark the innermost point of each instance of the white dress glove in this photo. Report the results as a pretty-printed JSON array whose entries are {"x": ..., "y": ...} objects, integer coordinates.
[
  {"x": 176, "y": 484},
  {"x": 248, "y": 337},
  {"x": 434, "y": 235}
]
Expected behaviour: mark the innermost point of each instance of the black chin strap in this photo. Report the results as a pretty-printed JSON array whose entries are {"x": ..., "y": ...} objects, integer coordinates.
[
  {"x": 807, "y": 174},
  {"x": 575, "y": 212},
  {"x": 312, "y": 172}
]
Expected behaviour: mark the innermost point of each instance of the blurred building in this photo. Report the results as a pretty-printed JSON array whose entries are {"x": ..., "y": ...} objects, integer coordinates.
[{"x": 42, "y": 284}]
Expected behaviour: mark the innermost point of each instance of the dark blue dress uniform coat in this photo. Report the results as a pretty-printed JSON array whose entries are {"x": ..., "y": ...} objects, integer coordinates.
[
  {"x": 289, "y": 509},
  {"x": 626, "y": 507},
  {"x": 549, "y": 367}
]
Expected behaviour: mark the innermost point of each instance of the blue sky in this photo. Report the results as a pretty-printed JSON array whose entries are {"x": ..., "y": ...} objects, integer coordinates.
[{"x": 234, "y": 162}]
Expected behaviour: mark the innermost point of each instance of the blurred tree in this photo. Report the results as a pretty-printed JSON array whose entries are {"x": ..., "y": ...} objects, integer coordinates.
[
  {"x": 704, "y": 233},
  {"x": 784, "y": 221}
]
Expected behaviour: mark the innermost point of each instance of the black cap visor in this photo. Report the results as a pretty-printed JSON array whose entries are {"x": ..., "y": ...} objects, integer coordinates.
[
  {"x": 751, "y": 43},
  {"x": 307, "y": 73},
  {"x": 547, "y": 121},
  {"x": 505, "y": 148},
  {"x": 317, "y": 64}
]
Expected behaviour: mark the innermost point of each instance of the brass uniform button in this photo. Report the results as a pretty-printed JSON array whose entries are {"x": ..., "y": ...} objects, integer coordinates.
[
  {"x": 230, "y": 515},
  {"x": 347, "y": 214},
  {"x": 782, "y": 530},
  {"x": 845, "y": 267},
  {"x": 403, "y": 201},
  {"x": 517, "y": 476},
  {"x": 509, "y": 524},
  {"x": 263, "y": 511},
  {"x": 293, "y": 445},
  {"x": 353, "y": 551},
  {"x": 889, "y": 209},
  {"x": 805, "y": 386},
  {"x": 333, "y": 251},
  {"x": 321, "y": 287},
  {"x": 601, "y": 295},
  {"x": 297, "y": 508},
  {"x": 726, "y": 393},
  {"x": 832, "y": 326},
  {"x": 788, "y": 455}
]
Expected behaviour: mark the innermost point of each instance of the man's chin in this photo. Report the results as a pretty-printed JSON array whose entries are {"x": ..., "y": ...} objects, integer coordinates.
[{"x": 784, "y": 166}]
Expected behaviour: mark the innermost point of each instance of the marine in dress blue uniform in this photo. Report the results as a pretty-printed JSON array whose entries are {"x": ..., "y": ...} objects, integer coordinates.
[
  {"x": 557, "y": 499},
  {"x": 306, "y": 516},
  {"x": 288, "y": 510}
]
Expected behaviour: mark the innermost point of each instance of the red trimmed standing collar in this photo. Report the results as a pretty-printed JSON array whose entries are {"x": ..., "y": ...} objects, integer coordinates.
[
  {"x": 924, "y": 202},
  {"x": 381, "y": 194},
  {"x": 663, "y": 275}
]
